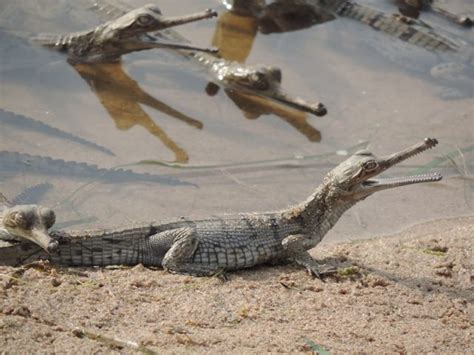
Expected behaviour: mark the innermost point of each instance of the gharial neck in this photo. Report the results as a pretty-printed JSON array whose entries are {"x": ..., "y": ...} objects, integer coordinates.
[{"x": 320, "y": 212}]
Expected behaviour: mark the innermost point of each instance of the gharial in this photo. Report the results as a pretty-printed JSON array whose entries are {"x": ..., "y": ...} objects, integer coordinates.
[
  {"x": 214, "y": 245},
  {"x": 128, "y": 33},
  {"x": 258, "y": 80}
]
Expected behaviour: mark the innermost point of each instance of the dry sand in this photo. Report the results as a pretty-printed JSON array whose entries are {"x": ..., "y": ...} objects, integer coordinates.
[{"x": 407, "y": 293}]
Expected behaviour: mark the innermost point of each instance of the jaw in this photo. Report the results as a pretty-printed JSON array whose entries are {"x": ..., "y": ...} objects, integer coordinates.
[
  {"x": 317, "y": 109},
  {"x": 275, "y": 93},
  {"x": 167, "y": 22},
  {"x": 38, "y": 236},
  {"x": 145, "y": 41},
  {"x": 126, "y": 37},
  {"x": 372, "y": 184}
]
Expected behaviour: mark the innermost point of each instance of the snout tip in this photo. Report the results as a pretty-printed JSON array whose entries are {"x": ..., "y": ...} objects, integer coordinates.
[
  {"x": 213, "y": 50},
  {"x": 211, "y": 13},
  {"x": 431, "y": 142},
  {"x": 466, "y": 21},
  {"x": 320, "y": 110},
  {"x": 52, "y": 246}
]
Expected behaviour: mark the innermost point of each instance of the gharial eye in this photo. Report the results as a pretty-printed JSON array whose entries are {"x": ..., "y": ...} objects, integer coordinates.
[
  {"x": 370, "y": 165},
  {"x": 20, "y": 219},
  {"x": 144, "y": 20},
  {"x": 275, "y": 74},
  {"x": 259, "y": 81},
  {"x": 48, "y": 216},
  {"x": 15, "y": 219}
]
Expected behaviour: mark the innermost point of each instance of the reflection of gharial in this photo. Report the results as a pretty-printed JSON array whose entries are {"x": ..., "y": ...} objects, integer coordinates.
[
  {"x": 210, "y": 246},
  {"x": 15, "y": 163},
  {"x": 126, "y": 34},
  {"x": 122, "y": 97},
  {"x": 259, "y": 80},
  {"x": 30, "y": 124}
]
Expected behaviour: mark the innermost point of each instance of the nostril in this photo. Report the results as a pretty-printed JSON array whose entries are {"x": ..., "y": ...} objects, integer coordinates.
[{"x": 52, "y": 247}]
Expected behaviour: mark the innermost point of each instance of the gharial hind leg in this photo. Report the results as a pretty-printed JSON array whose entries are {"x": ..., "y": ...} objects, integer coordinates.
[{"x": 179, "y": 258}]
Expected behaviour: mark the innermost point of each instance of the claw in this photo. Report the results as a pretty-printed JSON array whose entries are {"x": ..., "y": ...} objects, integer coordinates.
[{"x": 321, "y": 272}]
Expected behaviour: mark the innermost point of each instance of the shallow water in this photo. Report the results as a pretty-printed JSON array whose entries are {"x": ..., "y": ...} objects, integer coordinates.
[{"x": 156, "y": 108}]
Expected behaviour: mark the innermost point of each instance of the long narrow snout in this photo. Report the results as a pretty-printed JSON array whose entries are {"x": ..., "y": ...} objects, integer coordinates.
[
  {"x": 42, "y": 238},
  {"x": 377, "y": 184},
  {"x": 317, "y": 109},
  {"x": 150, "y": 42},
  {"x": 393, "y": 159},
  {"x": 167, "y": 22}
]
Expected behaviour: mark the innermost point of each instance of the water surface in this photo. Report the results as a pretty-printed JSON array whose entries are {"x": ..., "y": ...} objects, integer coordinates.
[{"x": 156, "y": 108}]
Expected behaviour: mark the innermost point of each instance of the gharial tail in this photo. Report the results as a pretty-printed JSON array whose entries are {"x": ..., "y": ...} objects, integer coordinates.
[
  {"x": 89, "y": 248},
  {"x": 399, "y": 27}
]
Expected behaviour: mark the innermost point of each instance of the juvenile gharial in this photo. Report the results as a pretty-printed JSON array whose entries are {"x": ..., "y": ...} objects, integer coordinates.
[
  {"x": 206, "y": 247},
  {"x": 258, "y": 80},
  {"x": 126, "y": 34},
  {"x": 395, "y": 26}
]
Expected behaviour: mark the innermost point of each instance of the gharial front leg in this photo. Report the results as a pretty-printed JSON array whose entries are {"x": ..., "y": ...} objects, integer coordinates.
[
  {"x": 179, "y": 258},
  {"x": 294, "y": 248}
]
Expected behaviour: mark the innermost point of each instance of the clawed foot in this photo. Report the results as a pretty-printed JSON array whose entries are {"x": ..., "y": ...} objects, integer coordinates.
[
  {"x": 221, "y": 275},
  {"x": 321, "y": 271}
]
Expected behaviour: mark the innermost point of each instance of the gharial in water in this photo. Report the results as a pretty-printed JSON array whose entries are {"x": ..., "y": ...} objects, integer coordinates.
[{"x": 128, "y": 33}]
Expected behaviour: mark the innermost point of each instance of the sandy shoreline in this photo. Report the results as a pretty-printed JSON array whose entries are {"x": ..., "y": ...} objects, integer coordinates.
[{"x": 410, "y": 292}]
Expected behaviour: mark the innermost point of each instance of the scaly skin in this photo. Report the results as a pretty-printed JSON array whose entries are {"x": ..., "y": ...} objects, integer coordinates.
[
  {"x": 396, "y": 26},
  {"x": 207, "y": 247},
  {"x": 128, "y": 33}
]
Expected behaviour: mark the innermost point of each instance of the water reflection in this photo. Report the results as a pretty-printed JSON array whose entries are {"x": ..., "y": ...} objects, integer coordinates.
[
  {"x": 121, "y": 96},
  {"x": 235, "y": 34}
]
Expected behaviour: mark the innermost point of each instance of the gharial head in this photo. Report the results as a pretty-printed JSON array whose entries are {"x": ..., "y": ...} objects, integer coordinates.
[
  {"x": 136, "y": 24},
  {"x": 31, "y": 222},
  {"x": 261, "y": 78},
  {"x": 354, "y": 179},
  {"x": 265, "y": 81},
  {"x": 149, "y": 18}
]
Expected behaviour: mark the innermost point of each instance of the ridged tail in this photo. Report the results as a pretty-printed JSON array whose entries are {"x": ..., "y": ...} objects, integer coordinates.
[
  {"x": 94, "y": 248},
  {"x": 394, "y": 26}
]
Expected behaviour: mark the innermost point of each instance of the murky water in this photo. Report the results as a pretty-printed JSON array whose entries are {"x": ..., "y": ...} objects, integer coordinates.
[{"x": 154, "y": 106}]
